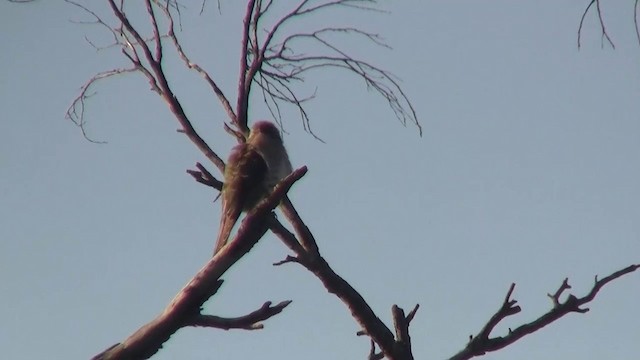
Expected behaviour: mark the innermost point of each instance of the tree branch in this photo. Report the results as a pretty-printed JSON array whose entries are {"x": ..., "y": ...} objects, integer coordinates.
[
  {"x": 226, "y": 105},
  {"x": 603, "y": 29},
  {"x": 138, "y": 51},
  {"x": 203, "y": 176},
  {"x": 307, "y": 254},
  {"x": 165, "y": 90},
  {"x": 635, "y": 19},
  {"x": 244, "y": 82},
  {"x": 76, "y": 111},
  {"x": 401, "y": 325},
  {"x": 482, "y": 343},
  {"x": 185, "y": 308},
  {"x": 250, "y": 321},
  {"x": 274, "y": 70}
]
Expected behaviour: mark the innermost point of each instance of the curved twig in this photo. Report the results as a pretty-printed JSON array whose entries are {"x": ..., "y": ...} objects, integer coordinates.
[
  {"x": 603, "y": 29},
  {"x": 275, "y": 66},
  {"x": 76, "y": 111}
]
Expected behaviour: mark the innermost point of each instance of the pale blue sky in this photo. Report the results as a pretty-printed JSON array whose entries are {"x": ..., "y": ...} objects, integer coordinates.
[{"x": 527, "y": 172}]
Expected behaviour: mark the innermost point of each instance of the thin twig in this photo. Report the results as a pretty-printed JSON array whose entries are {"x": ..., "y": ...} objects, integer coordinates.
[
  {"x": 603, "y": 28},
  {"x": 251, "y": 321}
]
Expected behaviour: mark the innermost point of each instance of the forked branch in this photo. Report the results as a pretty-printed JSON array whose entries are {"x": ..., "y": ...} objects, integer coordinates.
[
  {"x": 251, "y": 321},
  {"x": 275, "y": 63},
  {"x": 483, "y": 343},
  {"x": 146, "y": 57},
  {"x": 185, "y": 309},
  {"x": 603, "y": 28},
  {"x": 307, "y": 254}
]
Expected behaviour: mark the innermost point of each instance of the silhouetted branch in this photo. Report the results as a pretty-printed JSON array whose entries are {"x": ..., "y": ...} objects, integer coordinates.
[
  {"x": 250, "y": 321},
  {"x": 308, "y": 255},
  {"x": 275, "y": 66},
  {"x": 635, "y": 19},
  {"x": 203, "y": 176},
  {"x": 603, "y": 29},
  {"x": 483, "y": 343},
  {"x": 185, "y": 308},
  {"x": 153, "y": 69},
  {"x": 146, "y": 55},
  {"x": 373, "y": 355},
  {"x": 401, "y": 325},
  {"x": 287, "y": 237},
  {"x": 226, "y": 105},
  {"x": 244, "y": 81},
  {"x": 76, "y": 111}
]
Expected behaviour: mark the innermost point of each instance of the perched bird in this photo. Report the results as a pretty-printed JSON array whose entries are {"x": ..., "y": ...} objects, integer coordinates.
[{"x": 252, "y": 170}]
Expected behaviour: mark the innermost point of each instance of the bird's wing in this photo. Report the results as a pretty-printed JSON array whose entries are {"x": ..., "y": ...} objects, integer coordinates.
[{"x": 244, "y": 186}]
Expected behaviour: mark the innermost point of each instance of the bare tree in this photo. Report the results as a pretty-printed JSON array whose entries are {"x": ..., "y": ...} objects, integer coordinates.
[{"x": 272, "y": 64}]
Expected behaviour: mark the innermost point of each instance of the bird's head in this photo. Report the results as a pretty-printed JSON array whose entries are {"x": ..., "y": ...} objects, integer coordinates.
[
  {"x": 266, "y": 130},
  {"x": 266, "y": 140}
]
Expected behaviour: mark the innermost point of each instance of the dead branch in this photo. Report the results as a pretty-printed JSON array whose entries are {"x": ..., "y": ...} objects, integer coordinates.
[
  {"x": 373, "y": 355},
  {"x": 307, "y": 254},
  {"x": 146, "y": 55},
  {"x": 483, "y": 343},
  {"x": 203, "y": 176},
  {"x": 250, "y": 321},
  {"x": 226, "y": 105},
  {"x": 271, "y": 65},
  {"x": 154, "y": 71},
  {"x": 275, "y": 66},
  {"x": 603, "y": 29},
  {"x": 288, "y": 238},
  {"x": 76, "y": 111},
  {"x": 556, "y": 296},
  {"x": 401, "y": 325},
  {"x": 185, "y": 308},
  {"x": 244, "y": 85},
  {"x": 356, "y": 304},
  {"x": 635, "y": 19}
]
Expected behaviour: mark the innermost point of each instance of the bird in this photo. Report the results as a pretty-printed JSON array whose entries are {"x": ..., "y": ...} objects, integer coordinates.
[{"x": 253, "y": 169}]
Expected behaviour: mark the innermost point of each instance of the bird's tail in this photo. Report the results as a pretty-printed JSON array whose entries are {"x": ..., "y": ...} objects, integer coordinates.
[{"x": 227, "y": 221}]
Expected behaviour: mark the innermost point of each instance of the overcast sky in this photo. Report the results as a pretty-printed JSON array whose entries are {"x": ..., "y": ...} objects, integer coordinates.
[{"x": 527, "y": 172}]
